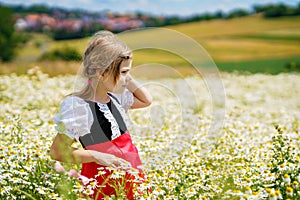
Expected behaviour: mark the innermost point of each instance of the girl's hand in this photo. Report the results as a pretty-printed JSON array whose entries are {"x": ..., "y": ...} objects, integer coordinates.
[
  {"x": 109, "y": 160},
  {"x": 128, "y": 78},
  {"x": 142, "y": 98}
]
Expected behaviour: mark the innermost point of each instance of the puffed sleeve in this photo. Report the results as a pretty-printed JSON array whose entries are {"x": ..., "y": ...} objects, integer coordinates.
[
  {"x": 75, "y": 117},
  {"x": 126, "y": 99}
]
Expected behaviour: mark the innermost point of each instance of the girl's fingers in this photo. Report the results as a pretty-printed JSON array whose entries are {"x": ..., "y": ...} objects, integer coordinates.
[{"x": 123, "y": 163}]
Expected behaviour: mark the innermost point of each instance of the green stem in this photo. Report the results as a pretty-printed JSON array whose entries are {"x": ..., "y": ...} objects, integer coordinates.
[{"x": 27, "y": 194}]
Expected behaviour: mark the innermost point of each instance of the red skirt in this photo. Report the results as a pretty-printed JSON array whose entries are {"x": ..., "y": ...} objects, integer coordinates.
[{"x": 107, "y": 183}]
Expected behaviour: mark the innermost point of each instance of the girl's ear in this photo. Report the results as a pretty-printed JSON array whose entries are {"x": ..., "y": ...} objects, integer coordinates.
[
  {"x": 101, "y": 78},
  {"x": 98, "y": 72},
  {"x": 99, "y": 75}
]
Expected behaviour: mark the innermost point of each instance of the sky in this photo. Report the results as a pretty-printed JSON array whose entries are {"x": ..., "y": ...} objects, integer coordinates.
[{"x": 155, "y": 7}]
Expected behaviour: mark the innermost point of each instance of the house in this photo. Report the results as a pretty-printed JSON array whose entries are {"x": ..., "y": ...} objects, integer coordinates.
[{"x": 45, "y": 22}]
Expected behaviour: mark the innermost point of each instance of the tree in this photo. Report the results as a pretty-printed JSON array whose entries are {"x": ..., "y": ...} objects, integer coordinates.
[
  {"x": 279, "y": 10},
  {"x": 238, "y": 13},
  {"x": 8, "y": 39}
]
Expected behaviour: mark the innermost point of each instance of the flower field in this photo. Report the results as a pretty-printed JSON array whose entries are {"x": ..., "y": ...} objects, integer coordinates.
[{"x": 254, "y": 155}]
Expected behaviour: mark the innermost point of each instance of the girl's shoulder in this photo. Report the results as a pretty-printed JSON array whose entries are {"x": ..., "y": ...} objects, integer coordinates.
[
  {"x": 74, "y": 117},
  {"x": 125, "y": 99},
  {"x": 73, "y": 101},
  {"x": 74, "y": 104}
]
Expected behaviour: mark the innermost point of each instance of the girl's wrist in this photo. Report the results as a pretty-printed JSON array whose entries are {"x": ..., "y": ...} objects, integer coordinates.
[
  {"x": 94, "y": 155},
  {"x": 132, "y": 84}
]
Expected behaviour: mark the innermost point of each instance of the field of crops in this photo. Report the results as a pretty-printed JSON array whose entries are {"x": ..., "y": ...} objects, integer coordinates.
[{"x": 254, "y": 155}]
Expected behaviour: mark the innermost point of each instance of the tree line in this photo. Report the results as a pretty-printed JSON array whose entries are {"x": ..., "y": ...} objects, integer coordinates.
[{"x": 268, "y": 11}]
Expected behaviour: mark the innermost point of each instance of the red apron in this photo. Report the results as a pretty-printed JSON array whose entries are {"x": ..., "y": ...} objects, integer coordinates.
[{"x": 121, "y": 147}]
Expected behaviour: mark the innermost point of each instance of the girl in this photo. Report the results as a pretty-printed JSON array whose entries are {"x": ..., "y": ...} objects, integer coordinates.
[{"x": 95, "y": 115}]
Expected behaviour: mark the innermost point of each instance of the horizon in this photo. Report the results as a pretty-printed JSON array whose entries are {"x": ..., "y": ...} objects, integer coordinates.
[{"x": 167, "y": 7}]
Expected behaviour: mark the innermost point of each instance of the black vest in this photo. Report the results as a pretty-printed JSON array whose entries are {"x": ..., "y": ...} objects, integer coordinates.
[{"x": 101, "y": 127}]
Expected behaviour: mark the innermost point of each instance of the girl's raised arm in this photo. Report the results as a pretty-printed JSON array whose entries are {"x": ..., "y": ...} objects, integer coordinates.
[{"x": 142, "y": 98}]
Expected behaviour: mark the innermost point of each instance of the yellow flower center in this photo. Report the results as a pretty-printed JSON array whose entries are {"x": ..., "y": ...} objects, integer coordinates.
[
  {"x": 286, "y": 176},
  {"x": 289, "y": 189}
]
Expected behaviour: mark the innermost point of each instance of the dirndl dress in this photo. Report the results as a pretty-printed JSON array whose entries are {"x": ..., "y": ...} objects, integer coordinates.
[{"x": 102, "y": 127}]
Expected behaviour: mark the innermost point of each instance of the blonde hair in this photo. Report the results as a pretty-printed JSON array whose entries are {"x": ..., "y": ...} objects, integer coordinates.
[{"x": 104, "y": 54}]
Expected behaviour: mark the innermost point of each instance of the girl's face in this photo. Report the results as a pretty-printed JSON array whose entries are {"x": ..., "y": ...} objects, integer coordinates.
[{"x": 120, "y": 86}]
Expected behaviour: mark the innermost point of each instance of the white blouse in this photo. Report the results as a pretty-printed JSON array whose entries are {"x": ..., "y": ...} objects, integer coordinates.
[
  {"x": 126, "y": 99},
  {"x": 75, "y": 117}
]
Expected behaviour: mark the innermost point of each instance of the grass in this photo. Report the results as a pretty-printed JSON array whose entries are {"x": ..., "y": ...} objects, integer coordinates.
[
  {"x": 235, "y": 44},
  {"x": 52, "y": 68},
  {"x": 236, "y": 26},
  {"x": 268, "y": 66},
  {"x": 292, "y": 38}
]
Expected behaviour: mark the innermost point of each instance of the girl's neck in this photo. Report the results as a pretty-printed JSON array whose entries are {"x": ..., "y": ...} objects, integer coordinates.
[
  {"x": 102, "y": 100},
  {"x": 101, "y": 95}
]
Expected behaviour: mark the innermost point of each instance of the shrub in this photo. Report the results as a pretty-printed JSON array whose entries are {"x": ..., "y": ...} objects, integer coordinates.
[
  {"x": 65, "y": 53},
  {"x": 292, "y": 66}
]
